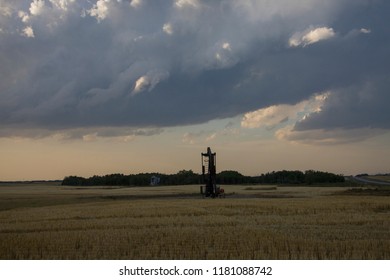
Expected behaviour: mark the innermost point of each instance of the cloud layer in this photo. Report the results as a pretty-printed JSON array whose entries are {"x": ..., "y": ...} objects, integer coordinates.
[{"x": 70, "y": 65}]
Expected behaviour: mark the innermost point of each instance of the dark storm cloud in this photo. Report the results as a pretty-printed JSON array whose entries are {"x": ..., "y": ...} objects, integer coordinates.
[
  {"x": 363, "y": 105},
  {"x": 76, "y": 64}
]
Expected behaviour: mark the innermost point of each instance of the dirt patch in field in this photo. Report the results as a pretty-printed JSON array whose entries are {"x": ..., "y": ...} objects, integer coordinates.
[
  {"x": 261, "y": 195},
  {"x": 149, "y": 196},
  {"x": 367, "y": 191},
  {"x": 192, "y": 195}
]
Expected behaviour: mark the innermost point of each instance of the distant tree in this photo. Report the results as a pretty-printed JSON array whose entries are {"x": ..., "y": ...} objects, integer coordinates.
[
  {"x": 186, "y": 177},
  {"x": 312, "y": 176},
  {"x": 231, "y": 177},
  {"x": 73, "y": 181}
]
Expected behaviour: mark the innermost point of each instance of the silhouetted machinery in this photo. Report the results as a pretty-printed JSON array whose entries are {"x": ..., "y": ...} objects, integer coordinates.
[{"x": 209, "y": 174}]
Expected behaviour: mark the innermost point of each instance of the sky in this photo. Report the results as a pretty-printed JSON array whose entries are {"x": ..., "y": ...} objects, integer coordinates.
[{"x": 118, "y": 86}]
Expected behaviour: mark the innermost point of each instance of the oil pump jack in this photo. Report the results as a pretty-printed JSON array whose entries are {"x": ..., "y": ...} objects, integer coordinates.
[{"x": 209, "y": 175}]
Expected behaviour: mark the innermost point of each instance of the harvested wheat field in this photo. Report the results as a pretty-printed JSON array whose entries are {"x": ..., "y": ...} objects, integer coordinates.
[{"x": 48, "y": 221}]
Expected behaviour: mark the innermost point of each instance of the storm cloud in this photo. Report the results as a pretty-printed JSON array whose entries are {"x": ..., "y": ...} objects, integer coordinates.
[{"x": 73, "y": 65}]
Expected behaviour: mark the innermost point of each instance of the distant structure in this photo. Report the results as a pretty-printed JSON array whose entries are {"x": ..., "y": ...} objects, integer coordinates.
[
  {"x": 209, "y": 175},
  {"x": 154, "y": 180}
]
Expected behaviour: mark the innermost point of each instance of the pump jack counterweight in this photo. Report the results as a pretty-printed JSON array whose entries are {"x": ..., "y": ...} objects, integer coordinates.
[{"x": 209, "y": 175}]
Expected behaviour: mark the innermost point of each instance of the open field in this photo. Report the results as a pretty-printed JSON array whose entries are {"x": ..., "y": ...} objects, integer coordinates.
[{"x": 47, "y": 221}]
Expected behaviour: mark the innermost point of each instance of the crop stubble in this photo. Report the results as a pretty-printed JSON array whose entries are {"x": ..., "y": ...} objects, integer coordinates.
[{"x": 94, "y": 227}]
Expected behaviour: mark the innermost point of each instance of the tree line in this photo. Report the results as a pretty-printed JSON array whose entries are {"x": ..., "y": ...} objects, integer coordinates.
[
  {"x": 183, "y": 177},
  {"x": 299, "y": 177},
  {"x": 188, "y": 177}
]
